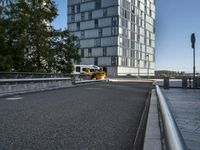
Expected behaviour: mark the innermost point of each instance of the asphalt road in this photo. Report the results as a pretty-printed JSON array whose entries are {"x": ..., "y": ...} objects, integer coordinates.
[{"x": 101, "y": 116}]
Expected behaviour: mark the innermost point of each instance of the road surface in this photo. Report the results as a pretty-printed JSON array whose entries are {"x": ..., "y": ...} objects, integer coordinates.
[{"x": 100, "y": 116}]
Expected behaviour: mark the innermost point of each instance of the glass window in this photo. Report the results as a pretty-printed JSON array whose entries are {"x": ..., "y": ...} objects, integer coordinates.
[
  {"x": 132, "y": 44},
  {"x": 100, "y": 32},
  {"x": 78, "y": 69},
  {"x": 89, "y": 52},
  {"x": 73, "y": 9},
  {"x": 78, "y": 25},
  {"x": 114, "y": 21},
  {"x": 138, "y": 4},
  {"x": 104, "y": 51},
  {"x": 124, "y": 22},
  {"x": 114, "y": 61},
  {"x": 78, "y": 42},
  {"x": 95, "y": 60},
  {"x": 72, "y": 18},
  {"x": 92, "y": 70},
  {"x": 96, "y": 23},
  {"x": 105, "y": 12},
  {"x": 125, "y": 33},
  {"x": 98, "y": 4},
  {"x": 90, "y": 15},
  {"x": 82, "y": 16},
  {"x": 150, "y": 12},
  {"x": 85, "y": 69},
  {"x": 78, "y": 8},
  {"x": 97, "y": 42},
  {"x": 82, "y": 52},
  {"x": 133, "y": 9},
  {"x": 82, "y": 34},
  {"x": 114, "y": 31}
]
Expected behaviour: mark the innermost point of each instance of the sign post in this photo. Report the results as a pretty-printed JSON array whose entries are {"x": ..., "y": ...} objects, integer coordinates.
[{"x": 193, "y": 40}]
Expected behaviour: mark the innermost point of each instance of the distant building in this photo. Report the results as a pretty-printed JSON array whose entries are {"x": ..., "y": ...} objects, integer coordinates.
[{"x": 118, "y": 35}]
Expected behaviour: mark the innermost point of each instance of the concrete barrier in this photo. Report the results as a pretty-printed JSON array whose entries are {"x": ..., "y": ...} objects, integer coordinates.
[
  {"x": 16, "y": 86},
  {"x": 153, "y": 138}
]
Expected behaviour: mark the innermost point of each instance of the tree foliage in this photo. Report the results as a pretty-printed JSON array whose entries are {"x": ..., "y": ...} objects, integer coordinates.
[
  {"x": 5, "y": 51},
  {"x": 28, "y": 41},
  {"x": 66, "y": 51}
]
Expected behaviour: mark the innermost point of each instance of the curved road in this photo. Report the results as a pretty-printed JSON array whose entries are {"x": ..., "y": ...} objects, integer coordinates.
[{"x": 100, "y": 116}]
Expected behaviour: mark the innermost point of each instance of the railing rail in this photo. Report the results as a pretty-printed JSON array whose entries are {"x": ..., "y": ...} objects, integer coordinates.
[
  {"x": 6, "y": 76},
  {"x": 23, "y": 75},
  {"x": 173, "y": 137},
  {"x": 21, "y": 81}
]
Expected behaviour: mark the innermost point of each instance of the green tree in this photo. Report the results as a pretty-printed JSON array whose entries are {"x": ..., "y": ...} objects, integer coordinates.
[
  {"x": 30, "y": 43},
  {"x": 30, "y": 32},
  {"x": 66, "y": 51},
  {"x": 5, "y": 52}
]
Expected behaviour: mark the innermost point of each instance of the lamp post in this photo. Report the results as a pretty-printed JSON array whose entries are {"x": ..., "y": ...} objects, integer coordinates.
[
  {"x": 193, "y": 39},
  {"x": 147, "y": 55},
  {"x": 138, "y": 67}
]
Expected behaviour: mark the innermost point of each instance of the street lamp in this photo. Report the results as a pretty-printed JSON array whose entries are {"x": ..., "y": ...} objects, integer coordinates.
[
  {"x": 147, "y": 55},
  {"x": 193, "y": 46}
]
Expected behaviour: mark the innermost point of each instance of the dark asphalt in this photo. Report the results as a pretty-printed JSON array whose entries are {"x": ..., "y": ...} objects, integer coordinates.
[{"x": 97, "y": 117}]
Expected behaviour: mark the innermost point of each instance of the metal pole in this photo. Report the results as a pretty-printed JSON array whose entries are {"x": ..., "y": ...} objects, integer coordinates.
[
  {"x": 194, "y": 68},
  {"x": 193, "y": 39},
  {"x": 148, "y": 66},
  {"x": 138, "y": 68}
]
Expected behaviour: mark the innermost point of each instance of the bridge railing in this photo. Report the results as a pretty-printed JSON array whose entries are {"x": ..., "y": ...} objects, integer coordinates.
[
  {"x": 31, "y": 75},
  {"x": 15, "y": 83},
  {"x": 25, "y": 75},
  {"x": 172, "y": 135}
]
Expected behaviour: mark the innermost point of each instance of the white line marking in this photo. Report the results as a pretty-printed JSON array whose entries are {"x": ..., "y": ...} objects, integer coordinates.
[
  {"x": 14, "y": 98},
  {"x": 93, "y": 88}
]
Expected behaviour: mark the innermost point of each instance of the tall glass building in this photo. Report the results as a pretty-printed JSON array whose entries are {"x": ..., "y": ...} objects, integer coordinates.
[{"x": 118, "y": 35}]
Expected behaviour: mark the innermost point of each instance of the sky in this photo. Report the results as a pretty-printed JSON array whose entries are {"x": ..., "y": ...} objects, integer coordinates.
[
  {"x": 60, "y": 21},
  {"x": 176, "y": 20}
]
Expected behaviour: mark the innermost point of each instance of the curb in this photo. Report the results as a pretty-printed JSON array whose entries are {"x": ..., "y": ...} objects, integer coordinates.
[
  {"x": 152, "y": 139},
  {"x": 139, "y": 139}
]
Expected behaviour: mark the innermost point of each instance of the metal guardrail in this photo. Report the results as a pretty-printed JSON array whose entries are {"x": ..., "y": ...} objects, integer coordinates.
[
  {"x": 35, "y": 75},
  {"x": 20, "y": 81},
  {"x": 28, "y": 75},
  {"x": 173, "y": 137}
]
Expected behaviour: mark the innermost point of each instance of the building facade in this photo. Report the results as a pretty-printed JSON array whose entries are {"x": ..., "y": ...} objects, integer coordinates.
[{"x": 118, "y": 35}]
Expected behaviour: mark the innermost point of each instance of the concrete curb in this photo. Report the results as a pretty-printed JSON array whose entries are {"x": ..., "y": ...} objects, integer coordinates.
[
  {"x": 88, "y": 82},
  {"x": 139, "y": 139},
  {"x": 152, "y": 139}
]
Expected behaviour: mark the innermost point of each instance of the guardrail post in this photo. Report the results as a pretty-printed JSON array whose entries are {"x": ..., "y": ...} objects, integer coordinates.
[
  {"x": 195, "y": 82},
  {"x": 73, "y": 78},
  {"x": 166, "y": 82},
  {"x": 184, "y": 83}
]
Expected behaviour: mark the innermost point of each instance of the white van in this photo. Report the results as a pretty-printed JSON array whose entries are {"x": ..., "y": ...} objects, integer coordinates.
[{"x": 81, "y": 68}]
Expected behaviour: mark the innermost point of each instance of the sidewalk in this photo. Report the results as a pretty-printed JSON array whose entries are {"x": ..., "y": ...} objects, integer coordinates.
[
  {"x": 153, "y": 136},
  {"x": 185, "y": 106}
]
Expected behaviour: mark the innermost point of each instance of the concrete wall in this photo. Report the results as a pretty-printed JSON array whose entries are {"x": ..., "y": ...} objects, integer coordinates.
[{"x": 14, "y": 86}]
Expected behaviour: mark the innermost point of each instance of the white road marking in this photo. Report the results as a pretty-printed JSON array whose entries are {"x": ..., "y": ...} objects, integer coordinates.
[
  {"x": 93, "y": 88},
  {"x": 14, "y": 98}
]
